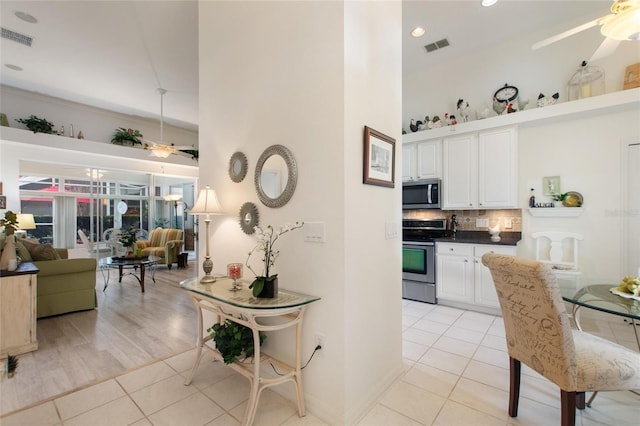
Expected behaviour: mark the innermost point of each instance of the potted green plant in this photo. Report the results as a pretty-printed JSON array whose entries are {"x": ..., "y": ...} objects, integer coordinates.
[
  {"x": 127, "y": 137},
  {"x": 266, "y": 285},
  {"x": 9, "y": 258},
  {"x": 128, "y": 238},
  {"x": 559, "y": 198},
  {"x": 36, "y": 125},
  {"x": 233, "y": 340}
]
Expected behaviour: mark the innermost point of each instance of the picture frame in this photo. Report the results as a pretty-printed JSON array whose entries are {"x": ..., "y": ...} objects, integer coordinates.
[
  {"x": 3, "y": 202},
  {"x": 551, "y": 186},
  {"x": 379, "y": 158}
]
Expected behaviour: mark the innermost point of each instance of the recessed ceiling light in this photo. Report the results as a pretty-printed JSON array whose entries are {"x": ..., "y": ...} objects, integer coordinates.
[
  {"x": 487, "y": 3},
  {"x": 418, "y": 32},
  {"x": 13, "y": 67},
  {"x": 26, "y": 17}
]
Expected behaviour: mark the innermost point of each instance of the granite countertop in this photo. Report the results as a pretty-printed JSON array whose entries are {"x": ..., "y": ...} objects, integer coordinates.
[{"x": 482, "y": 237}]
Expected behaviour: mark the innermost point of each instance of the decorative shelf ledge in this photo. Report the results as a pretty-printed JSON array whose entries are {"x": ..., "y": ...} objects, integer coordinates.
[{"x": 556, "y": 211}]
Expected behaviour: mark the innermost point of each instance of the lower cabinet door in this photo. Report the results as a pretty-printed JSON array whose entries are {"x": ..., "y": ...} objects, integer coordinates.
[{"x": 455, "y": 278}]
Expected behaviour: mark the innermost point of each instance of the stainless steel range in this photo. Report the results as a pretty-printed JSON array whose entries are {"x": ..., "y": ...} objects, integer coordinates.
[{"x": 419, "y": 259}]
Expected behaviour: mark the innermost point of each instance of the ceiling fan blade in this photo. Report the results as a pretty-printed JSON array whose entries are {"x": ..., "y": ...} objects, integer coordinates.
[
  {"x": 565, "y": 34},
  {"x": 607, "y": 48}
]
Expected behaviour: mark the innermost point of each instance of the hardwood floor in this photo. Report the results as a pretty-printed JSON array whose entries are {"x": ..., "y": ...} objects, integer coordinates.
[{"x": 127, "y": 330}]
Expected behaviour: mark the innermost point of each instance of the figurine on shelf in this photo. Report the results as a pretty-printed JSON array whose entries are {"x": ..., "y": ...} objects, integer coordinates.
[
  {"x": 544, "y": 101},
  {"x": 452, "y": 120},
  {"x": 413, "y": 126},
  {"x": 463, "y": 110},
  {"x": 437, "y": 123},
  {"x": 499, "y": 106},
  {"x": 510, "y": 108},
  {"x": 423, "y": 124}
]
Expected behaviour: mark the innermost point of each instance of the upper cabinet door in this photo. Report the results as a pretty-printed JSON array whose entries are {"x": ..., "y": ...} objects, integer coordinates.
[
  {"x": 408, "y": 162},
  {"x": 429, "y": 159},
  {"x": 497, "y": 168},
  {"x": 460, "y": 172}
]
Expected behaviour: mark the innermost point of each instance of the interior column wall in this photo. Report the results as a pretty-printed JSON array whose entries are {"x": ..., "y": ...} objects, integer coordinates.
[{"x": 290, "y": 88}]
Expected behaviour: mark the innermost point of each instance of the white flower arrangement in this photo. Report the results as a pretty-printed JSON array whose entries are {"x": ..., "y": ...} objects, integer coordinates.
[{"x": 266, "y": 240}]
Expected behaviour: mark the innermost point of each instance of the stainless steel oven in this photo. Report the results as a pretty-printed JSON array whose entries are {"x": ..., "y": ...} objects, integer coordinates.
[{"x": 418, "y": 258}]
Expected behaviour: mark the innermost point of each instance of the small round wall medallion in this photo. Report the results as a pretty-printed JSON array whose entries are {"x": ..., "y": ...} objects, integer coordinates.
[
  {"x": 238, "y": 166},
  {"x": 249, "y": 218}
]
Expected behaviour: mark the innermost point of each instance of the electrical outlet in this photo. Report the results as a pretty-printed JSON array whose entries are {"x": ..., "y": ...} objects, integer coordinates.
[
  {"x": 508, "y": 223},
  {"x": 320, "y": 341}
]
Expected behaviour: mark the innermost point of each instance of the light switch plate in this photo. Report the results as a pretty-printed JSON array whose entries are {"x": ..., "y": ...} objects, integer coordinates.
[{"x": 314, "y": 232}]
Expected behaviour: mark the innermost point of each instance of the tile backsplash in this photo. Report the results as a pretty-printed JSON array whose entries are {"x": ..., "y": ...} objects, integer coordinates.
[{"x": 467, "y": 218}]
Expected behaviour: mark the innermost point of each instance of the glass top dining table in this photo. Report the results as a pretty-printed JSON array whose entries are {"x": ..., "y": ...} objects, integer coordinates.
[{"x": 600, "y": 297}]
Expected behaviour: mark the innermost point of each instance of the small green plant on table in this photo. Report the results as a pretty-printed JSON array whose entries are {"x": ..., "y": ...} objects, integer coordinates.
[{"x": 233, "y": 340}]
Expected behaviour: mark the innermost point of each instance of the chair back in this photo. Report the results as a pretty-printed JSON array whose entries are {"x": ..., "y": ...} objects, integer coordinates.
[
  {"x": 559, "y": 249},
  {"x": 85, "y": 241},
  {"x": 537, "y": 326}
]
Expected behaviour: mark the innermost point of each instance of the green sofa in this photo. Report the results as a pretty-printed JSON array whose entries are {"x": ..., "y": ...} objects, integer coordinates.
[{"x": 64, "y": 285}]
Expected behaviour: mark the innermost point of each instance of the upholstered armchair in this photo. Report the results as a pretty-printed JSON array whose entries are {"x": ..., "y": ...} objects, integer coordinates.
[
  {"x": 539, "y": 334},
  {"x": 163, "y": 243}
]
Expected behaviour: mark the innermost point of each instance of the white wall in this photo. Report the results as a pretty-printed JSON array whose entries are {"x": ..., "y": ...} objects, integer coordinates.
[
  {"x": 294, "y": 88},
  {"x": 96, "y": 124},
  {"x": 588, "y": 155}
]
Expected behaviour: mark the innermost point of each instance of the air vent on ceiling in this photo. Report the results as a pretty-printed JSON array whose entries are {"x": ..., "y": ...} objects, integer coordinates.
[
  {"x": 17, "y": 37},
  {"x": 437, "y": 45}
]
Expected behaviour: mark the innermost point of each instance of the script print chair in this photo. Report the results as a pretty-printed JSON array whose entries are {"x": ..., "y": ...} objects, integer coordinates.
[{"x": 538, "y": 334}]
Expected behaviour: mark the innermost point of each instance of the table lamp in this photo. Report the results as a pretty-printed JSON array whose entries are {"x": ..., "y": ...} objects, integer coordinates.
[
  {"x": 25, "y": 221},
  {"x": 207, "y": 204}
]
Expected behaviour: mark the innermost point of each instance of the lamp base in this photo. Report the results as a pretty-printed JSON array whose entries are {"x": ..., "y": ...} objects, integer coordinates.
[
  {"x": 208, "y": 279},
  {"x": 207, "y": 267}
]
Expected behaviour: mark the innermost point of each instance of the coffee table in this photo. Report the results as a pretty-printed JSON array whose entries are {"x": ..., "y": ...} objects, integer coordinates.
[{"x": 135, "y": 264}]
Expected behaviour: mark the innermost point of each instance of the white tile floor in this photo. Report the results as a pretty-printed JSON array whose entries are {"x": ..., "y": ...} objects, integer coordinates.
[{"x": 456, "y": 374}]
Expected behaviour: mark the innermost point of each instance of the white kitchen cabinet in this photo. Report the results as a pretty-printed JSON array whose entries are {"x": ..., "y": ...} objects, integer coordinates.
[
  {"x": 480, "y": 170},
  {"x": 463, "y": 279},
  {"x": 422, "y": 160},
  {"x": 408, "y": 162},
  {"x": 454, "y": 272}
]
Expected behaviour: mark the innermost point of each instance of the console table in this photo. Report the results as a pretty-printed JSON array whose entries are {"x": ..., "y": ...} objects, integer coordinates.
[
  {"x": 18, "y": 291},
  {"x": 241, "y": 307}
]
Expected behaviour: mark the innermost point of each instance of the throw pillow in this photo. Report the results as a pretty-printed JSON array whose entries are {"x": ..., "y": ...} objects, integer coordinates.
[
  {"x": 22, "y": 251},
  {"x": 44, "y": 252}
]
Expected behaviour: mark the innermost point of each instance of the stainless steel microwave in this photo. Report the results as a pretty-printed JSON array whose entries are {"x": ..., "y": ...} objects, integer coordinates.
[{"x": 421, "y": 194}]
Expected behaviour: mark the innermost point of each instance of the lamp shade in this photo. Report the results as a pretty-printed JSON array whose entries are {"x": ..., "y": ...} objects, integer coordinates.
[
  {"x": 26, "y": 221},
  {"x": 207, "y": 203}
]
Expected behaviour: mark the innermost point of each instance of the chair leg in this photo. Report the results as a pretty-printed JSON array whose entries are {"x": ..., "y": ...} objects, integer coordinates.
[
  {"x": 567, "y": 408},
  {"x": 580, "y": 400},
  {"x": 169, "y": 265},
  {"x": 514, "y": 386}
]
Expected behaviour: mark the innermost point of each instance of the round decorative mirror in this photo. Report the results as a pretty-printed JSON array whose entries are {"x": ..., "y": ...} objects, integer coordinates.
[
  {"x": 276, "y": 176},
  {"x": 238, "y": 167},
  {"x": 249, "y": 218}
]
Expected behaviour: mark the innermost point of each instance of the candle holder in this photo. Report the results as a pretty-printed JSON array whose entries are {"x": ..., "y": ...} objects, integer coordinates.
[{"x": 234, "y": 271}]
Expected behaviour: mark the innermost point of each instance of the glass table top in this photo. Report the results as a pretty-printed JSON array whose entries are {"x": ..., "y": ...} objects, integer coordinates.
[
  {"x": 599, "y": 297},
  {"x": 124, "y": 261},
  {"x": 221, "y": 290}
]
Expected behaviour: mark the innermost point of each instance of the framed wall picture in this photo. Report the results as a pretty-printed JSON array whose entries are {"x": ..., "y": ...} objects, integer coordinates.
[
  {"x": 551, "y": 185},
  {"x": 379, "y": 158},
  {"x": 3, "y": 202}
]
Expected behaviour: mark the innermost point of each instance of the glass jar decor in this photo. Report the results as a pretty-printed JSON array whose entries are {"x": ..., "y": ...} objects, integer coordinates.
[{"x": 588, "y": 81}]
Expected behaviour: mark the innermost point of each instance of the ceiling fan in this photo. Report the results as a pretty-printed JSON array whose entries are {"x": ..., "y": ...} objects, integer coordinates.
[
  {"x": 159, "y": 149},
  {"x": 623, "y": 23}
]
